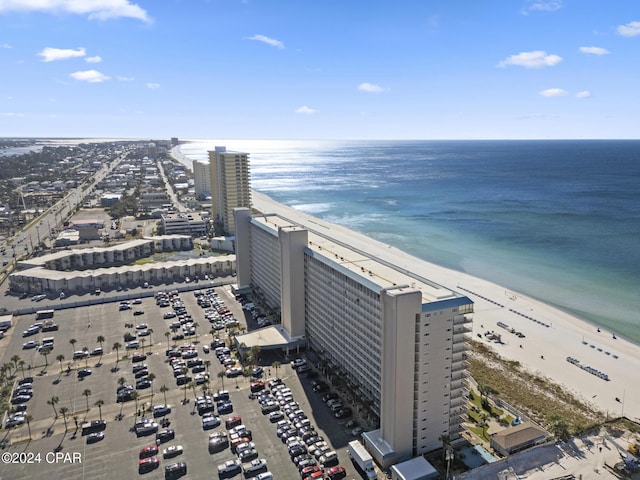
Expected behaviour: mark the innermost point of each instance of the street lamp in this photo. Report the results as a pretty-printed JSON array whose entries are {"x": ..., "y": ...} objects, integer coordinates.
[{"x": 38, "y": 232}]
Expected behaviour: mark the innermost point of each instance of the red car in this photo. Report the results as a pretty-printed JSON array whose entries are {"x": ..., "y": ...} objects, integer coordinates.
[
  {"x": 148, "y": 464},
  {"x": 232, "y": 422},
  {"x": 334, "y": 473},
  {"x": 306, "y": 471},
  {"x": 149, "y": 451},
  {"x": 257, "y": 386},
  {"x": 315, "y": 476}
]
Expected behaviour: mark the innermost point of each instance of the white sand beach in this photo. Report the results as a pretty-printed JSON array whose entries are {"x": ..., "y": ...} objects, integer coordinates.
[{"x": 544, "y": 349}]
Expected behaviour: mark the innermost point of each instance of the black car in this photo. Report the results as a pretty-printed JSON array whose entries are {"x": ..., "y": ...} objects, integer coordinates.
[
  {"x": 165, "y": 435},
  {"x": 84, "y": 372},
  {"x": 138, "y": 358},
  {"x": 175, "y": 470},
  {"x": 343, "y": 413},
  {"x": 225, "y": 408},
  {"x": 143, "y": 383}
]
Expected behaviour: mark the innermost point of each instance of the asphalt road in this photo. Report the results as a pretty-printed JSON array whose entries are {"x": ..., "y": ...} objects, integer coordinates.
[{"x": 117, "y": 455}]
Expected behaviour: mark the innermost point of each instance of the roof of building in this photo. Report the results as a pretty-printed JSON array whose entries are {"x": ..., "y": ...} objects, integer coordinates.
[
  {"x": 271, "y": 336},
  {"x": 522, "y": 434},
  {"x": 415, "y": 469},
  {"x": 358, "y": 265}
]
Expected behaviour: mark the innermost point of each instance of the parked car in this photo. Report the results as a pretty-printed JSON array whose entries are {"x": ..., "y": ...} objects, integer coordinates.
[
  {"x": 255, "y": 466},
  {"x": 230, "y": 467},
  {"x": 172, "y": 451},
  {"x": 149, "y": 451}
]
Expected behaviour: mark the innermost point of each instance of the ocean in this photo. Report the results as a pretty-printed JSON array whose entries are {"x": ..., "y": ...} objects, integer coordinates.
[{"x": 555, "y": 220}]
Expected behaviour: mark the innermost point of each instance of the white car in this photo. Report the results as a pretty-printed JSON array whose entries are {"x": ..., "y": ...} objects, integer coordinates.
[
  {"x": 172, "y": 451},
  {"x": 298, "y": 362},
  {"x": 254, "y": 466},
  {"x": 210, "y": 421},
  {"x": 230, "y": 466},
  {"x": 263, "y": 476},
  {"x": 160, "y": 410}
]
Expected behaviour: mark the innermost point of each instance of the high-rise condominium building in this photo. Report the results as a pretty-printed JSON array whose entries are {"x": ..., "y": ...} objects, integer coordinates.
[
  {"x": 396, "y": 338},
  {"x": 230, "y": 185},
  {"x": 202, "y": 179}
]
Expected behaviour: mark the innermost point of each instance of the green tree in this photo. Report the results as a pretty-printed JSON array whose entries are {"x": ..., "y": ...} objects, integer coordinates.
[
  {"x": 117, "y": 346},
  {"x": 276, "y": 365},
  {"x": 99, "y": 404},
  {"x": 21, "y": 363},
  {"x": 28, "y": 418},
  {"x": 164, "y": 389},
  {"x": 168, "y": 335},
  {"x": 559, "y": 428},
  {"x": 45, "y": 352},
  {"x": 73, "y": 343},
  {"x": 87, "y": 394},
  {"x": 53, "y": 401},
  {"x": 60, "y": 358},
  {"x": 221, "y": 376},
  {"x": 63, "y": 412}
]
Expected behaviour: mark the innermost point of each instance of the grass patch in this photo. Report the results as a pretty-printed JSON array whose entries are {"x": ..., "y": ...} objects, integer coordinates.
[
  {"x": 480, "y": 432},
  {"x": 540, "y": 398}
]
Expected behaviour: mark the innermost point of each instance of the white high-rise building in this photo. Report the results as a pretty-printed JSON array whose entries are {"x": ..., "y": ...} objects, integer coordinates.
[
  {"x": 202, "y": 179},
  {"x": 230, "y": 185},
  {"x": 396, "y": 338}
]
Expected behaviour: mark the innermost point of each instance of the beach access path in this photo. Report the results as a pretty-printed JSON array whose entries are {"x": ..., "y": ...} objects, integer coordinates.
[{"x": 551, "y": 335}]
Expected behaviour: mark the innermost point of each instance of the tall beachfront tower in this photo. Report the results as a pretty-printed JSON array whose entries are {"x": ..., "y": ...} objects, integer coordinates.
[
  {"x": 397, "y": 340},
  {"x": 202, "y": 179},
  {"x": 230, "y": 185}
]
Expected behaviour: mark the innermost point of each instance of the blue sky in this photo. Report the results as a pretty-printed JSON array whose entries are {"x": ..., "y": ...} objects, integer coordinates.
[{"x": 416, "y": 69}]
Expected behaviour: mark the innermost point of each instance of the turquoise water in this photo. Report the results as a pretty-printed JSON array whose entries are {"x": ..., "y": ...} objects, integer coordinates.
[{"x": 556, "y": 220}]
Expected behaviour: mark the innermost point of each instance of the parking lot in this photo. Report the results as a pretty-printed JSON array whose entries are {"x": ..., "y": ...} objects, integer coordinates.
[{"x": 58, "y": 386}]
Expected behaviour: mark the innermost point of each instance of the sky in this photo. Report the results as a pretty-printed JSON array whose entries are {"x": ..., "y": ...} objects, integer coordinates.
[{"x": 331, "y": 69}]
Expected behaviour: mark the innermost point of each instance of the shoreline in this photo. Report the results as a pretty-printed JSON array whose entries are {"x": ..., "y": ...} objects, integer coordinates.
[{"x": 543, "y": 350}]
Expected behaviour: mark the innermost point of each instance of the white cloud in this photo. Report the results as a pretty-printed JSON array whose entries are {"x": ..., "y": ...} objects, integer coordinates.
[
  {"x": 11, "y": 114},
  {"x": 631, "y": 29},
  {"x": 550, "y": 6},
  {"x": 124, "y": 79},
  {"x": 595, "y": 50},
  {"x": 553, "y": 92},
  {"x": 5, "y": 45},
  {"x": 535, "y": 59},
  {"x": 305, "y": 110},
  {"x": 370, "y": 88},
  {"x": 93, "y": 9},
  {"x": 269, "y": 41},
  {"x": 583, "y": 94},
  {"x": 91, "y": 76},
  {"x": 49, "y": 54},
  {"x": 96, "y": 59},
  {"x": 152, "y": 85}
]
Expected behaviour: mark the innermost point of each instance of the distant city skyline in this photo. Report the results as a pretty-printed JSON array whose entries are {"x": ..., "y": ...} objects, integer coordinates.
[{"x": 487, "y": 69}]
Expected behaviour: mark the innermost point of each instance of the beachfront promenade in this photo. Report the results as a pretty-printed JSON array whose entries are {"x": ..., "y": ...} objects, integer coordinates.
[{"x": 550, "y": 334}]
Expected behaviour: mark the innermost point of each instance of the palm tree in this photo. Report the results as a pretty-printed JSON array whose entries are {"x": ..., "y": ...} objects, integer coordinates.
[
  {"x": 150, "y": 330},
  {"x": 122, "y": 381},
  {"x": 117, "y": 346},
  {"x": 45, "y": 352},
  {"x": 207, "y": 363},
  {"x": 87, "y": 393},
  {"x": 99, "y": 404},
  {"x": 151, "y": 377},
  {"x": 255, "y": 355},
  {"x": 221, "y": 376},
  {"x": 60, "y": 358},
  {"x": 100, "y": 340},
  {"x": 28, "y": 418},
  {"x": 21, "y": 363},
  {"x": 136, "y": 396},
  {"x": 195, "y": 329},
  {"x": 73, "y": 343},
  {"x": 86, "y": 356},
  {"x": 164, "y": 389},
  {"x": 63, "y": 412},
  {"x": 168, "y": 335},
  {"x": 276, "y": 365},
  {"x": 53, "y": 402},
  {"x": 15, "y": 359}
]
